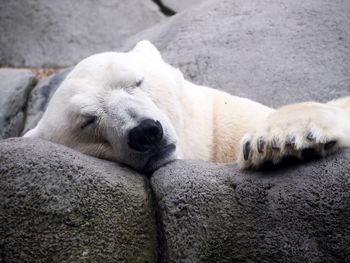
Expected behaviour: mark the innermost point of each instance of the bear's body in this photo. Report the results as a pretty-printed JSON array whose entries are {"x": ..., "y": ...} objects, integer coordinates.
[{"x": 136, "y": 109}]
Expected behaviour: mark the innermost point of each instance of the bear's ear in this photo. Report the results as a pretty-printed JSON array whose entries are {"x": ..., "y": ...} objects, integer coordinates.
[{"x": 147, "y": 48}]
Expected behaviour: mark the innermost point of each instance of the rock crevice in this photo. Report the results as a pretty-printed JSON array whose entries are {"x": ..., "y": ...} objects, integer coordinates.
[
  {"x": 163, "y": 8},
  {"x": 159, "y": 226}
]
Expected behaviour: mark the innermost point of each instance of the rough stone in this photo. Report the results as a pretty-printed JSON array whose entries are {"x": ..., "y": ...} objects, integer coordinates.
[
  {"x": 15, "y": 85},
  {"x": 40, "y": 97},
  {"x": 180, "y": 5},
  {"x": 60, "y": 33},
  {"x": 272, "y": 51},
  {"x": 58, "y": 205},
  {"x": 216, "y": 213}
]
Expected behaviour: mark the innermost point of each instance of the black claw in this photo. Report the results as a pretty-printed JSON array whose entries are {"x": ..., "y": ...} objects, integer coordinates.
[
  {"x": 310, "y": 136},
  {"x": 329, "y": 145},
  {"x": 275, "y": 144},
  {"x": 290, "y": 140},
  {"x": 246, "y": 150},
  {"x": 260, "y": 145}
]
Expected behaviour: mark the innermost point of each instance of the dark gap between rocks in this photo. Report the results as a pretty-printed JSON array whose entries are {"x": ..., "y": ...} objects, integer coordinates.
[
  {"x": 24, "y": 108},
  {"x": 161, "y": 241},
  {"x": 164, "y": 9}
]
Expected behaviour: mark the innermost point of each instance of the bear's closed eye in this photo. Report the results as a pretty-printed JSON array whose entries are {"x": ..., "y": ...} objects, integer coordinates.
[
  {"x": 139, "y": 83},
  {"x": 88, "y": 120}
]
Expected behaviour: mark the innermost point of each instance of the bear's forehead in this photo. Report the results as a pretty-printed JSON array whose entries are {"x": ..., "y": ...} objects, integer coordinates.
[{"x": 110, "y": 70}]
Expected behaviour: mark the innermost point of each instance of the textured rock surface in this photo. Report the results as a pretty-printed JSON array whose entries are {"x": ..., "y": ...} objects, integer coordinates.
[
  {"x": 275, "y": 52},
  {"x": 40, "y": 96},
  {"x": 58, "y": 205},
  {"x": 15, "y": 86},
  {"x": 60, "y": 33},
  {"x": 215, "y": 213},
  {"x": 181, "y": 5}
]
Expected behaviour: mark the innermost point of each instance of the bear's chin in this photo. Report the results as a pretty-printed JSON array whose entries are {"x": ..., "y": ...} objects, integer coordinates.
[{"x": 159, "y": 159}]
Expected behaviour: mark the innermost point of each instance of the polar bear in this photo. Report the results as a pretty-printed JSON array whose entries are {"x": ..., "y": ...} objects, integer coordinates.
[{"x": 135, "y": 109}]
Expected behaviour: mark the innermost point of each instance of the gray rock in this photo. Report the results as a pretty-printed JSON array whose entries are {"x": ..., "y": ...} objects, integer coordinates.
[
  {"x": 180, "y": 5},
  {"x": 60, "y": 33},
  {"x": 275, "y": 52},
  {"x": 58, "y": 205},
  {"x": 216, "y": 213},
  {"x": 15, "y": 85},
  {"x": 40, "y": 97}
]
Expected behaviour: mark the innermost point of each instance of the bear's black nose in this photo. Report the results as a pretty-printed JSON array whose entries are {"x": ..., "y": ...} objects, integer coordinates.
[{"x": 146, "y": 135}]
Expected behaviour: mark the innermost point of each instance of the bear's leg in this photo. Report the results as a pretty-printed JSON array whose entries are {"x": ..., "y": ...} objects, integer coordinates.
[
  {"x": 298, "y": 130},
  {"x": 343, "y": 103}
]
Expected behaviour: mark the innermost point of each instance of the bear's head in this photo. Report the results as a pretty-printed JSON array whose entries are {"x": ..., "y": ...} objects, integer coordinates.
[{"x": 122, "y": 107}]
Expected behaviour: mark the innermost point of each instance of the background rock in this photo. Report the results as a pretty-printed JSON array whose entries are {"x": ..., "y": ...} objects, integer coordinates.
[
  {"x": 15, "y": 86},
  {"x": 216, "y": 213},
  {"x": 275, "y": 52},
  {"x": 40, "y": 96},
  {"x": 60, "y": 33},
  {"x": 270, "y": 51},
  {"x": 58, "y": 205}
]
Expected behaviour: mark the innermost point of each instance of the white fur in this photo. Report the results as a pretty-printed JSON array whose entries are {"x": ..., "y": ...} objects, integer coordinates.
[{"x": 203, "y": 123}]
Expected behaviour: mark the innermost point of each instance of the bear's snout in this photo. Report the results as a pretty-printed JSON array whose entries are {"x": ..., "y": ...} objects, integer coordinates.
[{"x": 145, "y": 136}]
